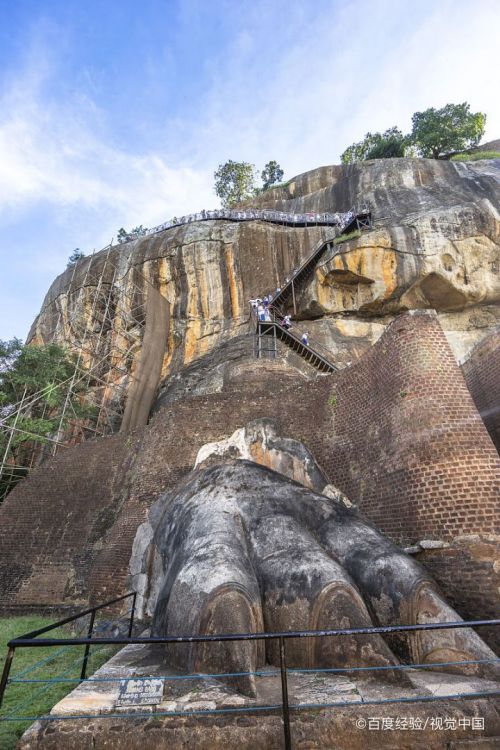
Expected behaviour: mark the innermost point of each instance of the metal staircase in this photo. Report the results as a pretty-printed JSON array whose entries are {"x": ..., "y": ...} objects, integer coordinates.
[
  {"x": 356, "y": 219},
  {"x": 278, "y": 332},
  {"x": 349, "y": 222}
]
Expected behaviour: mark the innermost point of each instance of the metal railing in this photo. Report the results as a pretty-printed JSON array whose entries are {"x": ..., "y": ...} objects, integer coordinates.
[
  {"x": 310, "y": 218},
  {"x": 33, "y": 640}
]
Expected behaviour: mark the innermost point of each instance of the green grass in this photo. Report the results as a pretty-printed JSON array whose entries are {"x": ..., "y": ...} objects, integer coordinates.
[
  {"x": 476, "y": 155},
  {"x": 38, "y": 699},
  {"x": 346, "y": 237},
  {"x": 276, "y": 185}
]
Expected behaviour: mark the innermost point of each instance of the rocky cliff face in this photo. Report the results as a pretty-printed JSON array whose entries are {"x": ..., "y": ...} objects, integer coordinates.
[
  {"x": 397, "y": 431},
  {"x": 435, "y": 243}
]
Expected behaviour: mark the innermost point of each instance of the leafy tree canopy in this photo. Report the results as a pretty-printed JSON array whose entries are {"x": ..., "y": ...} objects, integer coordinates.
[
  {"x": 124, "y": 236},
  {"x": 389, "y": 144},
  {"x": 75, "y": 256},
  {"x": 30, "y": 369},
  {"x": 40, "y": 377},
  {"x": 438, "y": 132},
  {"x": 271, "y": 174},
  {"x": 234, "y": 182}
]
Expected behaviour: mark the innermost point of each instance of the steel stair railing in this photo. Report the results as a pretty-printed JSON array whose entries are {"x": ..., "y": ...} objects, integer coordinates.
[
  {"x": 348, "y": 220},
  {"x": 358, "y": 217},
  {"x": 307, "y": 352}
]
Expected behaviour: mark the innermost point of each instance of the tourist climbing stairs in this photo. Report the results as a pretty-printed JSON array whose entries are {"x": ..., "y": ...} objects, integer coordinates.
[{"x": 307, "y": 352}]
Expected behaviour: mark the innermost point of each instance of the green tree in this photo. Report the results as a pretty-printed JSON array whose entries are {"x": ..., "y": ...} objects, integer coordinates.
[
  {"x": 387, "y": 145},
  {"x": 439, "y": 132},
  {"x": 271, "y": 174},
  {"x": 123, "y": 236},
  {"x": 39, "y": 377},
  {"x": 75, "y": 256},
  {"x": 234, "y": 182}
]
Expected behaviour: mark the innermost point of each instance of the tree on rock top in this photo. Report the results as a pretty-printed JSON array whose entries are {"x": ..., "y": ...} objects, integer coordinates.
[
  {"x": 387, "y": 145},
  {"x": 439, "y": 132},
  {"x": 134, "y": 234},
  {"x": 234, "y": 182},
  {"x": 75, "y": 256},
  {"x": 271, "y": 174}
]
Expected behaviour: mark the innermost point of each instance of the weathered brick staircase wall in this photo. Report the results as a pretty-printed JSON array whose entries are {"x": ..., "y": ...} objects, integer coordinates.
[{"x": 398, "y": 432}]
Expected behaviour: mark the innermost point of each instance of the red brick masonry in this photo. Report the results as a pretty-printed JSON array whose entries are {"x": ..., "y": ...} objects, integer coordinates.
[{"x": 398, "y": 432}]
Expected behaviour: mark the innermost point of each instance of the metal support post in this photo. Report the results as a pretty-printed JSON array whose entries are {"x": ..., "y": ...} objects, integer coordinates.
[
  {"x": 131, "y": 625},
  {"x": 6, "y": 672},
  {"x": 284, "y": 696},
  {"x": 87, "y": 647},
  {"x": 293, "y": 297}
]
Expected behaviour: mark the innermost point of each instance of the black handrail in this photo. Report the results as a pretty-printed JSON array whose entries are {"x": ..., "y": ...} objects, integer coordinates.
[
  {"x": 282, "y": 636},
  {"x": 85, "y": 612},
  {"x": 308, "y": 349},
  {"x": 31, "y": 639},
  {"x": 262, "y": 635}
]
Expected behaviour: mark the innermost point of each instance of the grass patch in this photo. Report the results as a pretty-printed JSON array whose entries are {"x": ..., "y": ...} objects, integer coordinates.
[
  {"x": 476, "y": 156},
  {"x": 277, "y": 185},
  {"x": 346, "y": 237},
  {"x": 35, "y": 699}
]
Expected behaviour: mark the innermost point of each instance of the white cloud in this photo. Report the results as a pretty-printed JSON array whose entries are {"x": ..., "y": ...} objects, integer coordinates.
[
  {"x": 352, "y": 67},
  {"x": 297, "y": 82},
  {"x": 58, "y": 153}
]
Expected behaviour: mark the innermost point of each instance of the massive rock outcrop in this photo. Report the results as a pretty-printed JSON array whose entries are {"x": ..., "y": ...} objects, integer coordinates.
[
  {"x": 396, "y": 431},
  {"x": 435, "y": 244}
]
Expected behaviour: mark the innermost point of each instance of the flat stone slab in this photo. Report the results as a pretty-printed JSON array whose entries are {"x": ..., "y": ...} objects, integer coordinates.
[{"x": 204, "y": 712}]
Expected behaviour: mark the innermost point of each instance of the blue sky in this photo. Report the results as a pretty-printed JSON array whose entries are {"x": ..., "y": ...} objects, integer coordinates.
[{"x": 116, "y": 113}]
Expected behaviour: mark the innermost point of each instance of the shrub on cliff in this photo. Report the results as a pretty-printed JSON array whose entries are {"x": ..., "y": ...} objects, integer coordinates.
[
  {"x": 272, "y": 174},
  {"x": 75, "y": 256},
  {"x": 476, "y": 156},
  {"x": 436, "y": 134},
  {"x": 392, "y": 143},
  {"x": 124, "y": 236},
  {"x": 234, "y": 182}
]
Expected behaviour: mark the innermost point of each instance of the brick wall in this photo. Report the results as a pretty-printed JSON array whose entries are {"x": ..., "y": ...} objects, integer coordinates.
[
  {"x": 409, "y": 444},
  {"x": 398, "y": 432},
  {"x": 482, "y": 375},
  {"x": 52, "y": 524}
]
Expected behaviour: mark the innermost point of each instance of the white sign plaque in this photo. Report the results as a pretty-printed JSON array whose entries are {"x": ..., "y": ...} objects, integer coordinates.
[{"x": 147, "y": 692}]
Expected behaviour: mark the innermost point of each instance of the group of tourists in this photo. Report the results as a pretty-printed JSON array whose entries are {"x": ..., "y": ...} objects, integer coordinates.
[{"x": 261, "y": 308}]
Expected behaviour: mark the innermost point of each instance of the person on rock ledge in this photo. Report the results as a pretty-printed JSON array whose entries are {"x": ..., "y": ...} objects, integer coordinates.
[{"x": 305, "y": 338}]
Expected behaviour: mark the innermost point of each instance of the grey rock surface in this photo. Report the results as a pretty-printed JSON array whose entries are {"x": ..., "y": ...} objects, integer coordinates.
[{"x": 245, "y": 549}]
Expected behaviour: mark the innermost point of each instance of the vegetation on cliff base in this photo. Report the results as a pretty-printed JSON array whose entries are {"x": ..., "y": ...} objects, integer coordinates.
[
  {"x": 436, "y": 134},
  {"x": 39, "y": 379}
]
